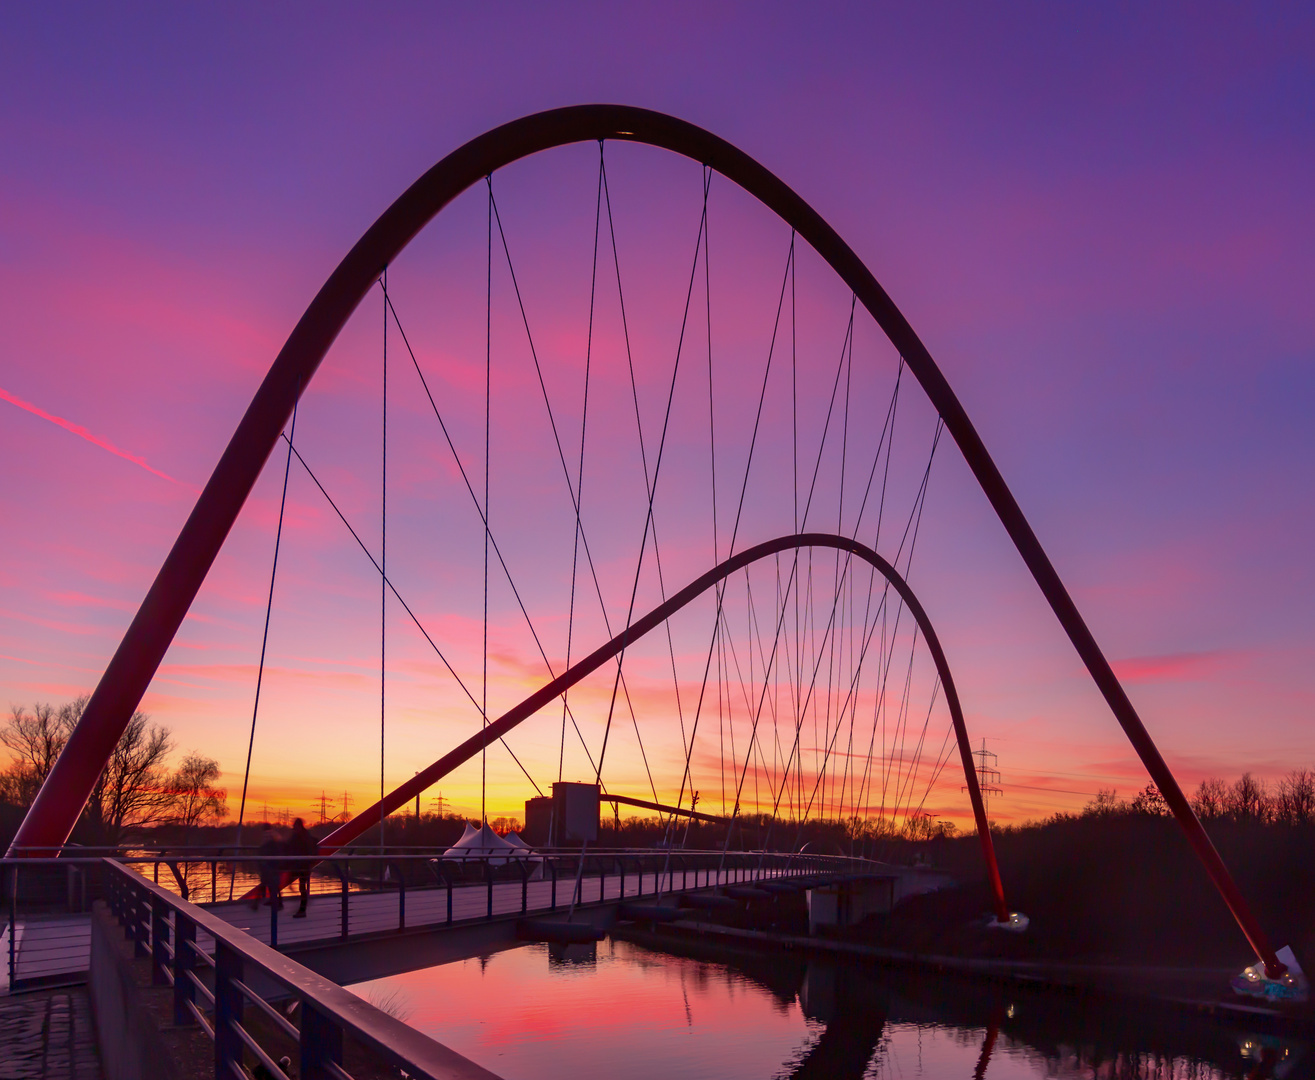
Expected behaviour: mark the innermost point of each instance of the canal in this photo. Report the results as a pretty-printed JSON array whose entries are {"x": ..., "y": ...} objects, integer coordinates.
[{"x": 625, "y": 1010}]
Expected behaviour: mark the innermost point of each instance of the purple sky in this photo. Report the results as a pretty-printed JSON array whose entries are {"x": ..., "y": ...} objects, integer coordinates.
[{"x": 1099, "y": 221}]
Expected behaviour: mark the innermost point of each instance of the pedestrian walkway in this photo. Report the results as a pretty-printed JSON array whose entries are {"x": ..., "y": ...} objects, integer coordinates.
[
  {"x": 48, "y": 948},
  {"x": 47, "y": 1035},
  {"x": 377, "y": 912}
]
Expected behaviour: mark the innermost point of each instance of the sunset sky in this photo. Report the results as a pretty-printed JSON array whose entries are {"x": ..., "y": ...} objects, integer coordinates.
[{"x": 1098, "y": 220}]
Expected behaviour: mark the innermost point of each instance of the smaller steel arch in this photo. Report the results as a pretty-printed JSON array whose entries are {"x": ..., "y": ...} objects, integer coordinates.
[{"x": 491, "y": 733}]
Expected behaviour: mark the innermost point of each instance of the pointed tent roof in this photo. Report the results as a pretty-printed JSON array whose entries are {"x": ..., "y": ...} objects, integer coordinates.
[{"x": 479, "y": 843}]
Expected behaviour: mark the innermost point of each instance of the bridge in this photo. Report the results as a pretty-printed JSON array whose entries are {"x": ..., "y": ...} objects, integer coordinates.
[
  {"x": 373, "y": 915},
  {"x": 806, "y": 674}
]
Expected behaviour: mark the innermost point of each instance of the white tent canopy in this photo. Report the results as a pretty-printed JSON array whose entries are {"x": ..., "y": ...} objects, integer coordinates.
[{"x": 483, "y": 843}]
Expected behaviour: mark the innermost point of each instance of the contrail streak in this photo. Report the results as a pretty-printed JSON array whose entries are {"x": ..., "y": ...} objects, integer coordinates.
[{"x": 83, "y": 433}]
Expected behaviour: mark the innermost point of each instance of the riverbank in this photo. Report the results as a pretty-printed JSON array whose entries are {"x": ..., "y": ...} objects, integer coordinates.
[{"x": 1197, "y": 991}]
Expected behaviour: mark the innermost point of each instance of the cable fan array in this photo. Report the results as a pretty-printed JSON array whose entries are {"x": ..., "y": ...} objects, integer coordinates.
[{"x": 593, "y": 410}]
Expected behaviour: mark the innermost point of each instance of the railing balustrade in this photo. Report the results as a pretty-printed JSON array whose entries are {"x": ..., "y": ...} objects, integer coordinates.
[
  {"x": 165, "y": 927},
  {"x": 430, "y": 891}
]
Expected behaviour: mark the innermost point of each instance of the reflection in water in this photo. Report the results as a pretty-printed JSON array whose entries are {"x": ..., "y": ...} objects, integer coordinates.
[{"x": 616, "y": 1008}]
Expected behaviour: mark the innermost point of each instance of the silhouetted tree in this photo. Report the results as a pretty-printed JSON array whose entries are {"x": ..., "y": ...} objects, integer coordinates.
[
  {"x": 1294, "y": 801},
  {"x": 132, "y": 790},
  {"x": 1106, "y": 804},
  {"x": 1211, "y": 799},
  {"x": 1247, "y": 801},
  {"x": 195, "y": 798},
  {"x": 35, "y": 739},
  {"x": 1149, "y": 801}
]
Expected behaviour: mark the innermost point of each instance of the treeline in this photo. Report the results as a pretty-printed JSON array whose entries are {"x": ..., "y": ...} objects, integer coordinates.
[
  {"x": 870, "y": 837},
  {"x": 138, "y": 788},
  {"x": 1247, "y": 800},
  {"x": 1117, "y": 879}
]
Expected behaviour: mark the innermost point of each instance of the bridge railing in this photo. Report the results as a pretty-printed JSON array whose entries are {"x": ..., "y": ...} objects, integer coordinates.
[
  {"x": 45, "y": 936},
  {"x": 569, "y": 878},
  {"x": 213, "y": 991}
]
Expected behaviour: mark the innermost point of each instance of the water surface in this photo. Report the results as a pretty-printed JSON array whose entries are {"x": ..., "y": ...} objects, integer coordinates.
[{"x": 620, "y": 1010}]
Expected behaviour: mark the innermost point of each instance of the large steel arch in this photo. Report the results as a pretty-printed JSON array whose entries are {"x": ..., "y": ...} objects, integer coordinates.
[
  {"x": 491, "y": 733},
  {"x": 60, "y": 801}
]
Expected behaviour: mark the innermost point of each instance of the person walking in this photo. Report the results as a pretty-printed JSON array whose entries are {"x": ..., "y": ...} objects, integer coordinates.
[
  {"x": 303, "y": 846},
  {"x": 270, "y": 870}
]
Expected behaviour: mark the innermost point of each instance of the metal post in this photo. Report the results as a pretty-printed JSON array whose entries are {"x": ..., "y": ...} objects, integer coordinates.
[
  {"x": 488, "y": 874},
  {"x": 228, "y": 1010},
  {"x": 321, "y": 1043},
  {"x": 401, "y": 898},
  {"x": 552, "y": 870},
  {"x": 274, "y": 902},
  {"x": 140, "y": 907},
  {"x": 13, "y": 927},
  {"x": 159, "y": 942},
  {"x": 184, "y": 962},
  {"x": 342, "y": 875}
]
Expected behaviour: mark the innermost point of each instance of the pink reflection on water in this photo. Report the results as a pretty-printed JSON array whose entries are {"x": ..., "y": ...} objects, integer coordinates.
[
  {"x": 621, "y": 1011},
  {"x": 627, "y": 1013}
]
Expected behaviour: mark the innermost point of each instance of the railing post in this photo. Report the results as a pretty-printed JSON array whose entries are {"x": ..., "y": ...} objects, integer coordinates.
[
  {"x": 552, "y": 870},
  {"x": 140, "y": 906},
  {"x": 401, "y": 897},
  {"x": 274, "y": 902},
  {"x": 13, "y": 927},
  {"x": 342, "y": 876},
  {"x": 448, "y": 882},
  {"x": 621, "y": 862},
  {"x": 159, "y": 942},
  {"x": 321, "y": 1043},
  {"x": 184, "y": 962},
  {"x": 488, "y": 876},
  {"x": 228, "y": 1010},
  {"x": 214, "y": 879},
  {"x": 525, "y": 885}
]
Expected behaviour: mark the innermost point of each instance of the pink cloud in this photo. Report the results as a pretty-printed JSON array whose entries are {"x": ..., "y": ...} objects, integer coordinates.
[{"x": 1179, "y": 667}]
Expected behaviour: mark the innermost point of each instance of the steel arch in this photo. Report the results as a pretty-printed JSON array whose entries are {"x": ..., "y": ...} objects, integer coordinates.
[
  {"x": 490, "y": 734},
  {"x": 60, "y": 801}
]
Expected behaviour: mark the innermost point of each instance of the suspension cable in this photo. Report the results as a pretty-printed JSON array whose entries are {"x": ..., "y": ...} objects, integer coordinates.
[
  {"x": 264, "y": 640},
  {"x": 488, "y": 407},
  {"x": 493, "y": 540},
  {"x": 401, "y": 600},
  {"x": 383, "y": 563},
  {"x": 579, "y": 479}
]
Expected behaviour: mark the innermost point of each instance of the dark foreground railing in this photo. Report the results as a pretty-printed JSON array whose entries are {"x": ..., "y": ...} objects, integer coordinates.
[{"x": 214, "y": 993}]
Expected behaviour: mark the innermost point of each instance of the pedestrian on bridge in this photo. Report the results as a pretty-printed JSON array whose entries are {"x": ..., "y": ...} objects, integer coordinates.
[
  {"x": 303, "y": 846},
  {"x": 269, "y": 869}
]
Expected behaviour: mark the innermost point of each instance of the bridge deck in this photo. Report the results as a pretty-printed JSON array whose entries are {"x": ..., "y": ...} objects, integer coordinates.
[{"x": 49, "y": 948}]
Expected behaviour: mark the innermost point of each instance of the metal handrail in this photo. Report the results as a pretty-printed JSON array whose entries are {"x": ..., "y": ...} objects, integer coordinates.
[
  {"x": 322, "y": 1002},
  {"x": 612, "y": 872}
]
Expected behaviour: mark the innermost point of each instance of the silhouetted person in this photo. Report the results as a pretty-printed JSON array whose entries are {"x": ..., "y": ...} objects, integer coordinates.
[
  {"x": 302, "y": 844},
  {"x": 270, "y": 871}
]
